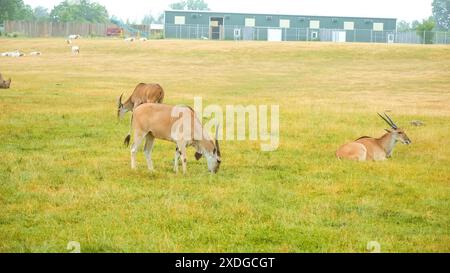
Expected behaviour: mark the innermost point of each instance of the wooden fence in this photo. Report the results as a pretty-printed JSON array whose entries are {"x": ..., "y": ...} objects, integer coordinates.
[{"x": 53, "y": 29}]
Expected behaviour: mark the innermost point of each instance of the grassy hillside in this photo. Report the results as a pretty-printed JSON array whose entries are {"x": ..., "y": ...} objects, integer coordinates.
[{"x": 65, "y": 176}]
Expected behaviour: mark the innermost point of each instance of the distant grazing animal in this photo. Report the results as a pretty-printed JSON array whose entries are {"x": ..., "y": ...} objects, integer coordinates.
[
  {"x": 35, "y": 53},
  {"x": 130, "y": 39},
  {"x": 143, "y": 39},
  {"x": 417, "y": 123},
  {"x": 74, "y": 37},
  {"x": 377, "y": 149},
  {"x": 155, "y": 121},
  {"x": 143, "y": 93},
  {"x": 4, "y": 84},
  {"x": 75, "y": 50}
]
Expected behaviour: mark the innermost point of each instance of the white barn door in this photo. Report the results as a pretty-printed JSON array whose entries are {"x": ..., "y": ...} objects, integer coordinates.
[
  {"x": 339, "y": 36},
  {"x": 274, "y": 35}
]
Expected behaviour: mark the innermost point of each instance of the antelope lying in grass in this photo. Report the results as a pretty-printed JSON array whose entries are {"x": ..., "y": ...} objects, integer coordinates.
[
  {"x": 157, "y": 121},
  {"x": 143, "y": 93},
  {"x": 4, "y": 84},
  {"x": 15, "y": 54},
  {"x": 377, "y": 149}
]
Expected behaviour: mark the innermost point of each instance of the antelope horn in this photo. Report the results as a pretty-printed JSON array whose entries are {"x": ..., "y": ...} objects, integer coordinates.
[
  {"x": 217, "y": 141},
  {"x": 387, "y": 121},
  {"x": 120, "y": 100},
  {"x": 394, "y": 126}
]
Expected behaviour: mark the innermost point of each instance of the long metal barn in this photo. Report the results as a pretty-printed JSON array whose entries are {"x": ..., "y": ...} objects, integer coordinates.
[{"x": 274, "y": 27}]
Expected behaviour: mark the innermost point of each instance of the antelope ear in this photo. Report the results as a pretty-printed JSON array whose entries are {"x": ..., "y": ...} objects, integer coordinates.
[
  {"x": 198, "y": 156},
  {"x": 389, "y": 131}
]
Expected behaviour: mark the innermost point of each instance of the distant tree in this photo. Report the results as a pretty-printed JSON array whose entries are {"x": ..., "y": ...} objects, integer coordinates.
[
  {"x": 197, "y": 5},
  {"x": 79, "y": 11},
  {"x": 150, "y": 19},
  {"x": 190, "y": 5},
  {"x": 415, "y": 24},
  {"x": 160, "y": 19},
  {"x": 403, "y": 26},
  {"x": 178, "y": 6},
  {"x": 15, "y": 10},
  {"x": 441, "y": 14},
  {"x": 425, "y": 30},
  {"x": 41, "y": 14}
]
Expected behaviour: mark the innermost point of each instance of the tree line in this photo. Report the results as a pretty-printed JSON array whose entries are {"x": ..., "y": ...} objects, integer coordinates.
[
  {"x": 83, "y": 11},
  {"x": 439, "y": 21}
]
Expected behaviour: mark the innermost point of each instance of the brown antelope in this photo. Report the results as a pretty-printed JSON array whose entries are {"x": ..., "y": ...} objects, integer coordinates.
[
  {"x": 377, "y": 149},
  {"x": 4, "y": 84},
  {"x": 157, "y": 121},
  {"x": 143, "y": 93}
]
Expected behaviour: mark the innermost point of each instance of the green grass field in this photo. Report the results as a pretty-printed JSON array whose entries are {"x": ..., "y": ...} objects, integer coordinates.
[{"x": 65, "y": 175}]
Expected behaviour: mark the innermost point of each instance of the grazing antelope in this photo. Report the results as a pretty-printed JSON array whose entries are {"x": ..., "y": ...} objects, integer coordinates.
[
  {"x": 4, "y": 84},
  {"x": 156, "y": 121},
  {"x": 143, "y": 93},
  {"x": 377, "y": 149},
  {"x": 74, "y": 37},
  {"x": 75, "y": 50}
]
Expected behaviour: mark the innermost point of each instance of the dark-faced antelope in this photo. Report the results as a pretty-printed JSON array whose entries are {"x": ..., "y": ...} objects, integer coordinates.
[
  {"x": 143, "y": 93},
  {"x": 4, "y": 84},
  {"x": 157, "y": 121},
  {"x": 377, "y": 149}
]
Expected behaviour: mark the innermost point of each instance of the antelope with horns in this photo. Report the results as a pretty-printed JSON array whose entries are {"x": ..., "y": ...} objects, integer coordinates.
[
  {"x": 4, "y": 84},
  {"x": 143, "y": 93},
  {"x": 159, "y": 121},
  {"x": 377, "y": 149}
]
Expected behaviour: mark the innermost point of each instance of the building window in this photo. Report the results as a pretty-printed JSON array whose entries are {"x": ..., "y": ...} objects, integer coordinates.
[
  {"x": 378, "y": 26},
  {"x": 285, "y": 23},
  {"x": 349, "y": 25},
  {"x": 250, "y": 22},
  {"x": 314, "y": 24},
  {"x": 180, "y": 20},
  {"x": 314, "y": 35}
]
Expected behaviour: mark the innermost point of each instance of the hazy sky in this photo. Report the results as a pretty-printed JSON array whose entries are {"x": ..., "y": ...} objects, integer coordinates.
[{"x": 402, "y": 9}]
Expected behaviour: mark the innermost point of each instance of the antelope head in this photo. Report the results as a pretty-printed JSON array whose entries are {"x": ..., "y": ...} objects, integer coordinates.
[
  {"x": 397, "y": 133},
  {"x": 213, "y": 157},
  {"x": 121, "y": 111}
]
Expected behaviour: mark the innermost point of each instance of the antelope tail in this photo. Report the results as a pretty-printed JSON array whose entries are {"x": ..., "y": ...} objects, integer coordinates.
[{"x": 127, "y": 140}]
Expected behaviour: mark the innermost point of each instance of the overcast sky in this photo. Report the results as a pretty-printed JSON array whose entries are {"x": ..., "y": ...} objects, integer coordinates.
[{"x": 402, "y": 9}]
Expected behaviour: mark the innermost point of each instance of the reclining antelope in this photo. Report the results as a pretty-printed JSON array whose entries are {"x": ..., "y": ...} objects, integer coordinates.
[
  {"x": 159, "y": 121},
  {"x": 143, "y": 93},
  {"x": 4, "y": 84},
  {"x": 377, "y": 149}
]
